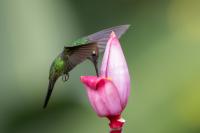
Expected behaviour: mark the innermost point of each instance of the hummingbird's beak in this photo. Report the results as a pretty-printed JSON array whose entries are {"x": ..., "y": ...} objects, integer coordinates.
[
  {"x": 94, "y": 60},
  {"x": 96, "y": 69},
  {"x": 49, "y": 91}
]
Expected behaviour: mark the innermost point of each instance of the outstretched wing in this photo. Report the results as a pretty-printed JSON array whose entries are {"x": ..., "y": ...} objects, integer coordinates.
[
  {"x": 78, "y": 54},
  {"x": 102, "y": 36}
]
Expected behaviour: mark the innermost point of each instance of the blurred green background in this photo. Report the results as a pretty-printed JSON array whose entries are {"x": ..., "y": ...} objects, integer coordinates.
[{"x": 162, "y": 49}]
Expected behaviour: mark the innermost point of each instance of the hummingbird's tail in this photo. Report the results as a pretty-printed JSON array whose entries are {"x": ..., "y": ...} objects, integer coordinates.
[{"x": 49, "y": 91}]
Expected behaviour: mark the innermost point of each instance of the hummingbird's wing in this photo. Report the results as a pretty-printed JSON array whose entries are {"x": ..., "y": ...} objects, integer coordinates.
[
  {"x": 102, "y": 36},
  {"x": 77, "y": 54}
]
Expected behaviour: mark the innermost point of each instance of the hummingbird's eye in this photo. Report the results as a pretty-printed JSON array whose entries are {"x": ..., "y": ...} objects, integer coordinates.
[
  {"x": 65, "y": 77},
  {"x": 93, "y": 53}
]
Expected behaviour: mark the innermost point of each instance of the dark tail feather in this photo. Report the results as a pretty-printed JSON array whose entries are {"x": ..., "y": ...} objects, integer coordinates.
[{"x": 49, "y": 91}]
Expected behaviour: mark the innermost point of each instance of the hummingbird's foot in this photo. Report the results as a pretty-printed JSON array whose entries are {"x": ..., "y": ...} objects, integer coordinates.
[{"x": 65, "y": 77}]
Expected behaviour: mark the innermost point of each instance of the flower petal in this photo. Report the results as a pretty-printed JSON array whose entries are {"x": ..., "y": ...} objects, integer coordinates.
[
  {"x": 90, "y": 81},
  {"x": 105, "y": 98},
  {"x": 114, "y": 65}
]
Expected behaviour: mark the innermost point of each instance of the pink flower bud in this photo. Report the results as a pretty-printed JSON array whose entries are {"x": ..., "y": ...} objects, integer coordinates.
[
  {"x": 103, "y": 95},
  {"x": 114, "y": 66},
  {"x": 108, "y": 94}
]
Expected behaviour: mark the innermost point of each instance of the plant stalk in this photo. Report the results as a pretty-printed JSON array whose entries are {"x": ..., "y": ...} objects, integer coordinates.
[{"x": 116, "y": 124}]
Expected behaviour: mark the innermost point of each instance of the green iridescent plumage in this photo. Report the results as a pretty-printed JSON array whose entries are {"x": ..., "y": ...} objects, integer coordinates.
[
  {"x": 57, "y": 66},
  {"x": 80, "y": 41},
  {"x": 87, "y": 47}
]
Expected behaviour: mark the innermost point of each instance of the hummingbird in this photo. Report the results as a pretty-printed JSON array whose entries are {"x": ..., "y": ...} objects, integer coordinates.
[{"x": 84, "y": 48}]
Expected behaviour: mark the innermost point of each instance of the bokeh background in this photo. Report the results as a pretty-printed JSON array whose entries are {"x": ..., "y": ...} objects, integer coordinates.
[{"x": 162, "y": 49}]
